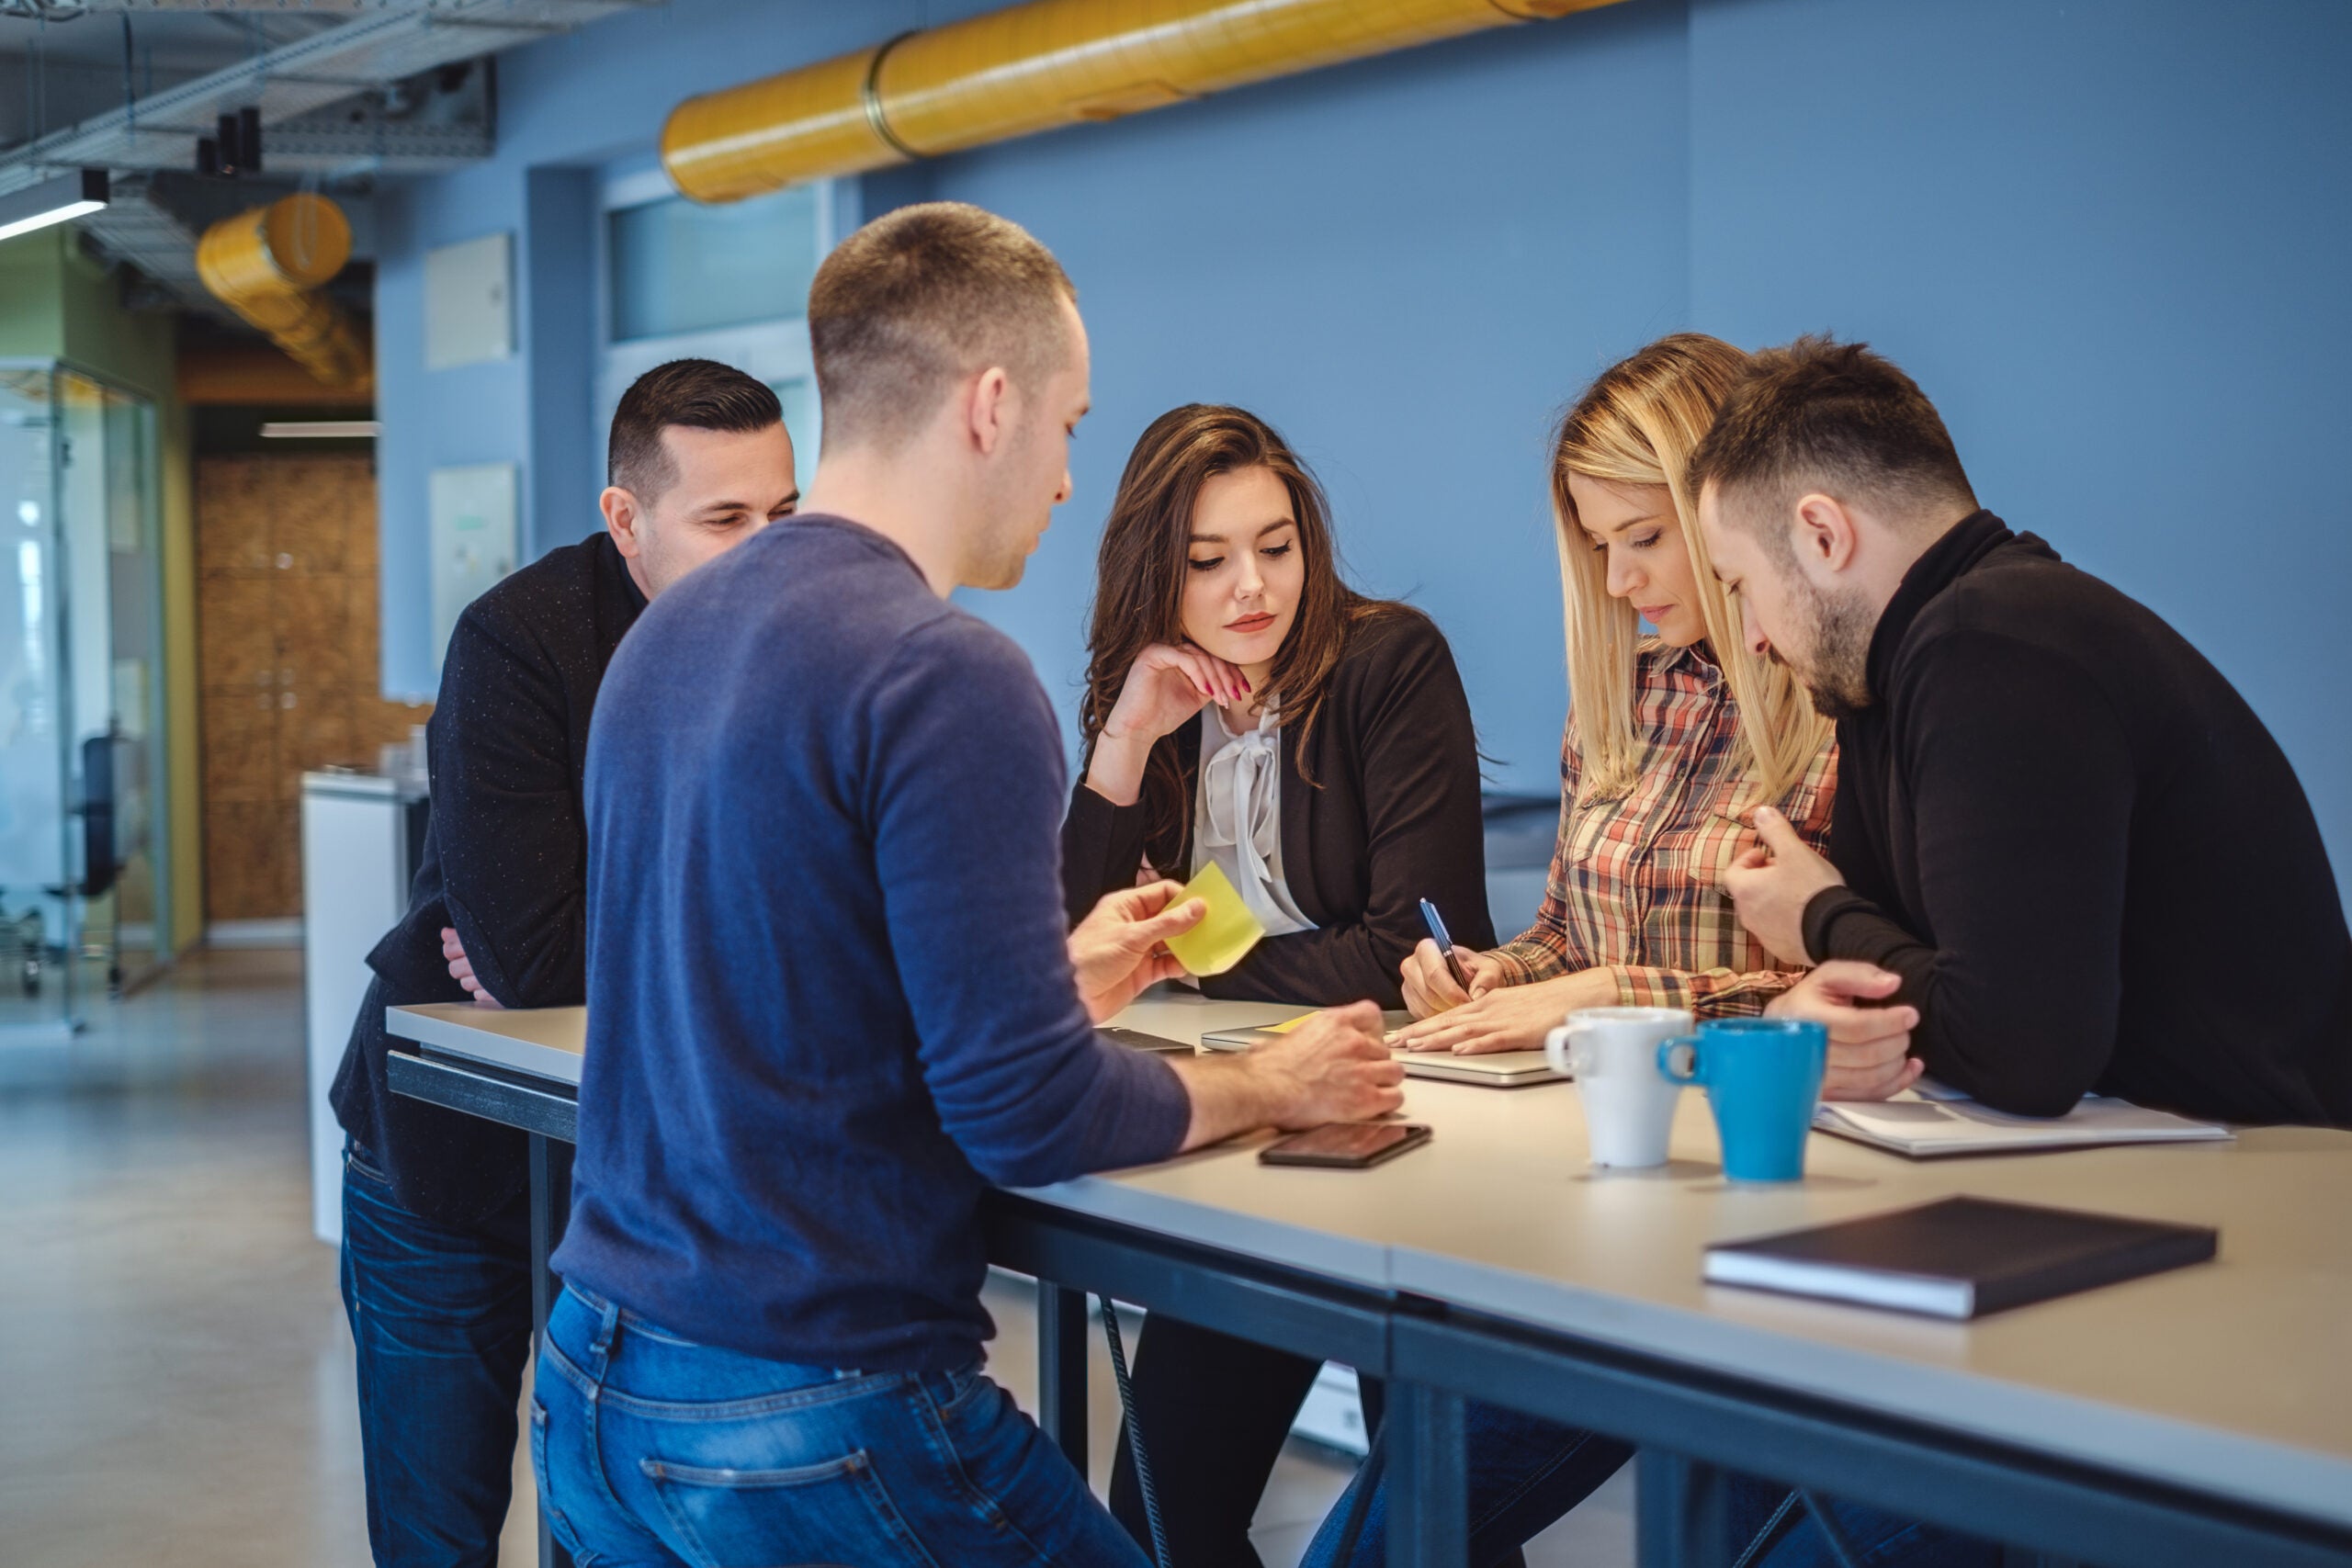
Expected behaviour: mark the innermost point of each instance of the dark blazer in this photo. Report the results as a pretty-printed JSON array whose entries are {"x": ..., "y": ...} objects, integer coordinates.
[
  {"x": 505, "y": 861},
  {"x": 1392, "y": 818}
]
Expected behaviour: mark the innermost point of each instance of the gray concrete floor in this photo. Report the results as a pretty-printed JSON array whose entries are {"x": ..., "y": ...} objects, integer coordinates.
[{"x": 176, "y": 1379}]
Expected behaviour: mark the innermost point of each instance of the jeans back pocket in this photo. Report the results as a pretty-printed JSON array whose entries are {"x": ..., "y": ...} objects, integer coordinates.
[
  {"x": 358, "y": 1162},
  {"x": 835, "y": 1512}
]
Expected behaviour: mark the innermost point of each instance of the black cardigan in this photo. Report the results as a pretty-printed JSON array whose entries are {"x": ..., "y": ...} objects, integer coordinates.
[
  {"x": 1392, "y": 818},
  {"x": 506, "y": 861},
  {"x": 2088, "y": 859}
]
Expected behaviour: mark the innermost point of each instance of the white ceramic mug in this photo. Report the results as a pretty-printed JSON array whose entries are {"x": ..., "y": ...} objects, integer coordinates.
[{"x": 1612, "y": 1054}]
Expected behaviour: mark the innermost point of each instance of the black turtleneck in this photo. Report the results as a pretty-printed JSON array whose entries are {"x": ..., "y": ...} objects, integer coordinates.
[
  {"x": 506, "y": 861},
  {"x": 2091, "y": 864}
]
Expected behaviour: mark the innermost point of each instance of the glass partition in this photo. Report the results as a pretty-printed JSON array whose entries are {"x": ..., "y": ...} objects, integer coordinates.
[
  {"x": 132, "y": 730},
  {"x": 82, "y": 865},
  {"x": 36, "y": 986}
]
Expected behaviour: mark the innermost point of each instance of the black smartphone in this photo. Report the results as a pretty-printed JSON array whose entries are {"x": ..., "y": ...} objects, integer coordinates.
[
  {"x": 1135, "y": 1039},
  {"x": 1346, "y": 1146}
]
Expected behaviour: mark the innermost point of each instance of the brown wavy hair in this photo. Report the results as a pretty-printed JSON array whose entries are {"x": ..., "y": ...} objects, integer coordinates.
[{"x": 1139, "y": 589}]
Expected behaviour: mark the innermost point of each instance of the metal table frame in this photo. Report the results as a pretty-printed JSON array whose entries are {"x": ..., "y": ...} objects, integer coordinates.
[{"x": 1694, "y": 1427}]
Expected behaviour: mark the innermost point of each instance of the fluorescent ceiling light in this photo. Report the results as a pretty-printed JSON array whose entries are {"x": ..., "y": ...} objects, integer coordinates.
[
  {"x": 360, "y": 429},
  {"x": 52, "y": 201}
]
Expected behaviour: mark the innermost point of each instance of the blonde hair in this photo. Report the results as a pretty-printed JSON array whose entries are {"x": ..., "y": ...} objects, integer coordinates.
[{"x": 1637, "y": 424}]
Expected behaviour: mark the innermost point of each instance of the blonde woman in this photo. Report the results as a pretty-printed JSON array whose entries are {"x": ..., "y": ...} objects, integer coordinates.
[{"x": 1674, "y": 740}]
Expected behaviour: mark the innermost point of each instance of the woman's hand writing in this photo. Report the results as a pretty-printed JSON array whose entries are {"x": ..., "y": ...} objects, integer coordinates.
[
  {"x": 1510, "y": 1018},
  {"x": 1430, "y": 986}
]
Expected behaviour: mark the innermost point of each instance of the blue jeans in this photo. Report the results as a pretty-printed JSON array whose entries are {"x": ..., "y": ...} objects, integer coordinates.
[
  {"x": 441, "y": 1319},
  {"x": 1876, "y": 1539},
  {"x": 650, "y": 1449},
  {"x": 1526, "y": 1473},
  {"x": 1523, "y": 1473}
]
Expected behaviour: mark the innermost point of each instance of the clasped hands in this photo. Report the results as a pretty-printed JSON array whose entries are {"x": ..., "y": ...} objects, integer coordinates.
[
  {"x": 1770, "y": 884},
  {"x": 461, "y": 969}
]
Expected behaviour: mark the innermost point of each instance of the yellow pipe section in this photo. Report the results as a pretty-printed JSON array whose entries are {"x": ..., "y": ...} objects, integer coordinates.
[
  {"x": 1032, "y": 67},
  {"x": 265, "y": 263}
]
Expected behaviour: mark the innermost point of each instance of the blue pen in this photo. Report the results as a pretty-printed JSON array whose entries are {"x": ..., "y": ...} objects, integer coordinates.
[{"x": 1444, "y": 944}]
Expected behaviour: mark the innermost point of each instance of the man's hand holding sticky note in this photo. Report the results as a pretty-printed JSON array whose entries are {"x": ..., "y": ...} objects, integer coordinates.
[{"x": 1225, "y": 936}]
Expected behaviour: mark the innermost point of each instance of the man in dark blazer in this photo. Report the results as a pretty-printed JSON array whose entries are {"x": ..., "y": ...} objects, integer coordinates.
[{"x": 436, "y": 1249}]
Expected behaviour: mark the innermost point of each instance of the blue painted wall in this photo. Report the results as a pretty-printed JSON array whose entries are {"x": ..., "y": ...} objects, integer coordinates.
[
  {"x": 567, "y": 108},
  {"x": 2106, "y": 237},
  {"x": 2110, "y": 240}
]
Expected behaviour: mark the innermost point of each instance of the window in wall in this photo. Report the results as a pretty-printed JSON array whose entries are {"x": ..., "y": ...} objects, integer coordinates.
[
  {"x": 679, "y": 266},
  {"x": 731, "y": 283}
]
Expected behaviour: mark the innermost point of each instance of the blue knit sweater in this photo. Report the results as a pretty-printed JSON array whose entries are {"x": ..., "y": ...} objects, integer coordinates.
[{"x": 829, "y": 999}]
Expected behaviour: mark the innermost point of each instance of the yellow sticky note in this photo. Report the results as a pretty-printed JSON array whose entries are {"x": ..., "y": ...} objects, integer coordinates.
[
  {"x": 1226, "y": 937},
  {"x": 1287, "y": 1025}
]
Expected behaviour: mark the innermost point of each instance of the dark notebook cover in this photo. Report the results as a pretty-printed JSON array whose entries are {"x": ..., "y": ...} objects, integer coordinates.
[{"x": 1960, "y": 1258}]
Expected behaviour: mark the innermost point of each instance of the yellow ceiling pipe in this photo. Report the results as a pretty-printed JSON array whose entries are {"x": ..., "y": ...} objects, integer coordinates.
[
  {"x": 264, "y": 263},
  {"x": 1031, "y": 67}
]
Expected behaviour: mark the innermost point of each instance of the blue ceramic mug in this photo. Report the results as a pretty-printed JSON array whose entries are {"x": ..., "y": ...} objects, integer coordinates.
[{"x": 1763, "y": 1077}]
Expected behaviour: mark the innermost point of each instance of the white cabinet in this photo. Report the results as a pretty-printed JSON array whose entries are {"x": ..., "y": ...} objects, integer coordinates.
[{"x": 357, "y": 837}]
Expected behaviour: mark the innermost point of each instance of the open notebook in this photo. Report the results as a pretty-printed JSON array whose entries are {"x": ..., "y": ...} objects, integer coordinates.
[{"x": 1932, "y": 1121}]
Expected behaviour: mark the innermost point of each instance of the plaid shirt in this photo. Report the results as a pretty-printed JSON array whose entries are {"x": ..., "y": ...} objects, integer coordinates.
[{"x": 1634, "y": 883}]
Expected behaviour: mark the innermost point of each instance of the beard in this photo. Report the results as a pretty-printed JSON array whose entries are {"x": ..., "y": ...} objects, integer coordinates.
[{"x": 1836, "y": 673}]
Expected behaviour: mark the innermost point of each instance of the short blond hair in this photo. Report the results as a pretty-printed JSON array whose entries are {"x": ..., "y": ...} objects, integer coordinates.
[
  {"x": 1638, "y": 424},
  {"x": 918, "y": 300}
]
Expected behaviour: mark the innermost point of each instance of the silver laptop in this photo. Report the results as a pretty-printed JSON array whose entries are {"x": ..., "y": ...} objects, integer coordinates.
[{"x": 1496, "y": 1069}]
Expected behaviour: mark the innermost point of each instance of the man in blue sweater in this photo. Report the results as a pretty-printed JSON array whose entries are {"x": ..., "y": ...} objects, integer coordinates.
[{"x": 831, "y": 993}]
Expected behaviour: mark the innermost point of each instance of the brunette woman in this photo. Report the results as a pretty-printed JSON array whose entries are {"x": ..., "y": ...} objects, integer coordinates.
[{"x": 1245, "y": 707}]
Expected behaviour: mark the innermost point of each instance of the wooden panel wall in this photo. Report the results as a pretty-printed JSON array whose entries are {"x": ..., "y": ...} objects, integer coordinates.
[{"x": 288, "y": 618}]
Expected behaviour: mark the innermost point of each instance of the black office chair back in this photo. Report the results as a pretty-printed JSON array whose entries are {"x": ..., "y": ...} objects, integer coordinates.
[{"x": 98, "y": 863}]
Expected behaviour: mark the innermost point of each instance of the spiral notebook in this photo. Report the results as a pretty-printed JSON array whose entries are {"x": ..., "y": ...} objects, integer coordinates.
[{"x": 1938, "y": 1121}]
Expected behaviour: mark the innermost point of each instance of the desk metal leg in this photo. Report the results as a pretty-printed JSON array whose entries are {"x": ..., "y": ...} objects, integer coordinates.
[
  {"x": 550, "y": 1207},
  {"x": 1061, "y": 1368},
  {"x": 1429, "y": 1492},
  {"x": 1683, "y": 1512}
]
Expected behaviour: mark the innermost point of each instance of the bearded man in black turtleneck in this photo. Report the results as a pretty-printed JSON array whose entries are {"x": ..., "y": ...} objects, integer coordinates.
[{"x": 2091, "y": 864}]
